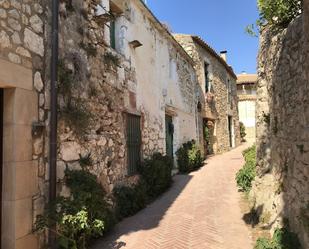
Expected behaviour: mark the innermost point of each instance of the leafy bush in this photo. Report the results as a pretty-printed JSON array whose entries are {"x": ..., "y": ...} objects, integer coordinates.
[
  {"x": 130, "y": 199},
  {"x": 242, "y": 131},
  {"x": 82, "y": 216},
  {"x": 189, "y": 157},
  {"x": 279, "y": 13},
  {"x": 155, "y": 178},
  {"x": 246, "y": 175},
  {"x": 206, "y": 134},
  {"x": 282, "y": 239},
  {"x": 157, "y": 174}
]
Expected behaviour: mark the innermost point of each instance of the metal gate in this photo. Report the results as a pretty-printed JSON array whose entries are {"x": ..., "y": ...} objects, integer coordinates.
[
  {"x": 1, "y": 158},
  {"x": 133, "y": 142}
]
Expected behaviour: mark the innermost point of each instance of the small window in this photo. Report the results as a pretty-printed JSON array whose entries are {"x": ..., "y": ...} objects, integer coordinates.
[
  {"x": 207, "y": 83},
  {"x": 115, "y": 12}
]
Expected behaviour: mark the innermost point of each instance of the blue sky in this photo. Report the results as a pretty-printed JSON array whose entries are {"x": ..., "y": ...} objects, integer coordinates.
[{"x": 221, "y": 23}]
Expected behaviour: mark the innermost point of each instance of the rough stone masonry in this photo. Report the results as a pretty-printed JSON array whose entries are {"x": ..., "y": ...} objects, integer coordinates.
[{"x": 280, "y": 191}]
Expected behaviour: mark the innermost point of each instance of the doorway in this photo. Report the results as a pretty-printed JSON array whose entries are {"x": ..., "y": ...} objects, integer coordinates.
[
  {"x": 208, "y": 135},
  {"x": 1, "y": 158},
  {"x": 169, "y": 136},
  {"x": 231, "y": 131}
]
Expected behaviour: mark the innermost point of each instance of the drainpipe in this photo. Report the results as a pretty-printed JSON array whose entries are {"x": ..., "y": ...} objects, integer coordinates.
[{"x": 53, "y": 113}]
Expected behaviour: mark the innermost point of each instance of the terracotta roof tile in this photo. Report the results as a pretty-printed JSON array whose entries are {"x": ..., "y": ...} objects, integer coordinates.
[{"x": 246, "y": 78}]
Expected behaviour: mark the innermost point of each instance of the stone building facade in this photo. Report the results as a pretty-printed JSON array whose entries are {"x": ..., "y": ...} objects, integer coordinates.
[
  {"x": 120, "y": 71},
  {"x": 24, "y": 108},
  {"x": 217, "y": 95},
  {"x": 137, "y": 72},
  {"x": 280, "y": 191},
  {"x": 246, "y": 91}
]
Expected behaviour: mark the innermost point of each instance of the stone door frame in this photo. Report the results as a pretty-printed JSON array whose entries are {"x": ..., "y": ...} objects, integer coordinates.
[{"x": 20, "y": 181}]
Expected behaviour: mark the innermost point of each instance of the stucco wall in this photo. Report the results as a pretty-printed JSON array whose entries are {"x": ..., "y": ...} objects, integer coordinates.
[
  {"x": 281, "y": 189},
  {"x": 247, "y": 117}
]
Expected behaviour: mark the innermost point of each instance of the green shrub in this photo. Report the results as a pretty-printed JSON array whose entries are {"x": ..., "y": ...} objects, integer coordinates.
[
  {"x": 246, "y": 175},
  {"x": 263, "y": 243},
  {"x": 206, "y": 134},
  {"x": 282, "y": 239},
  {"x": 279, "y": 13},
  {"x": 157, "y": 174},
  {"x": 130, "y": 199},
  {"x": 189, "y": 157},
  {"x": 242, "y": 131},
  {"x": 82, "y": 216}
]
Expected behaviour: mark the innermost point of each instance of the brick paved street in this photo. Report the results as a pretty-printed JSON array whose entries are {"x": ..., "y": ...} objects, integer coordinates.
[{"x": 200, "y": 211}]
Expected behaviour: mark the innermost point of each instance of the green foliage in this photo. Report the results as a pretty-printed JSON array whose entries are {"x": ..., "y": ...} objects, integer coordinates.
[
  {"x": 65, "y": 80},
  {"x": 242, "y": 131},
  {"x": 111, "y": 60},
  {"x": 206, "y": 134},
  {"x": 189, "y": 157},
  {"x": 279, "y": 13},
  {"x": 155, "y": 178},
  {"x": 251, "y": 30},
  {"x": 266, "y": 118},
  {"x": 75, "y": 110},
  {"x": 68, "y": 5},
  {"x": 77, "y": 116},
  {"x": 263, "y": 243},
  {"x": 82, "y": 216},
  {"x": 246, "y": 175},
  {"x": 301, "y": 148},
  {"x": 157, "y": 174},
  {"x": 90, "y": 49},
  {"x": 75, "y": 229},
  {"x": 282, "y": 239},
  {"x": 130, "y": 199},
  {"x": 85, "y": 161}
]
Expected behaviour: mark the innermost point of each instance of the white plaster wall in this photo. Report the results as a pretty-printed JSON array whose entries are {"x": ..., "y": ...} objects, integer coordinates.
[
  {"x": 156, "y": 86},
  {"x": 247, "y": 113}
]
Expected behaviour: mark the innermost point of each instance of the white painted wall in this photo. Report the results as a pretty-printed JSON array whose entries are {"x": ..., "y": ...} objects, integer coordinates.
[
  {"x": 247, "y": 113},
  {"x": 158, "y": 81}
]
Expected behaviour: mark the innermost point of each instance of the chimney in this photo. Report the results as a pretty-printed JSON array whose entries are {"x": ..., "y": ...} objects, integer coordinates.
[{"x": 223, "y": 55}]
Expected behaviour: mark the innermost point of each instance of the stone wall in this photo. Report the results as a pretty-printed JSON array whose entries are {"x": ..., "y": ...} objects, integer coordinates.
[
  {"x": 109, "y": 83},
  {"x": 214, "y": 104},
  {"x": 281, "y": 188},
  {"x": 22, "y": 74}
]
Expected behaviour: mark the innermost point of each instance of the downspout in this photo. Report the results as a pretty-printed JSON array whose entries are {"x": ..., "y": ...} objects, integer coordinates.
[{"x": 53, "y": 113}]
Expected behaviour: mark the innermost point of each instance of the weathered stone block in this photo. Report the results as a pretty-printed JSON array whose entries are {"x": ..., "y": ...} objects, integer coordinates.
[{"x": 34, "y": 42}]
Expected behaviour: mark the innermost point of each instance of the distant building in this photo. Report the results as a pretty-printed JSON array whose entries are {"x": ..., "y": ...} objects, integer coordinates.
[
  {"x": 246, "y": 91},
  {"x": 217, "y": 95}
]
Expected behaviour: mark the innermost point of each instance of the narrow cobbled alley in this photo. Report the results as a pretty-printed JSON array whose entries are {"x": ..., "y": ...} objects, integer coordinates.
[{"x": 201, "y": 210}]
